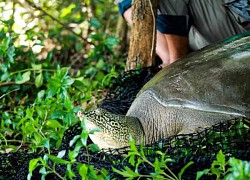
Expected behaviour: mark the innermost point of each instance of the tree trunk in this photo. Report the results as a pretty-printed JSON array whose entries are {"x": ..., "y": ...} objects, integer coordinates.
[{"x": 143, "y": 35}]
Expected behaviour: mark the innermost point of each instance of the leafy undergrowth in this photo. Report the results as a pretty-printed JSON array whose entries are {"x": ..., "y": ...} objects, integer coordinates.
[
  {"x": 221, "y": 168},
  {"x": 39, "y": 99},
  {"x": 232, "y": 169}
]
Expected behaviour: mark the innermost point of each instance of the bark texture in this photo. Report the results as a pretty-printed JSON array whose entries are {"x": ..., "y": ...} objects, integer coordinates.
[{"x": 143, "y": 35}]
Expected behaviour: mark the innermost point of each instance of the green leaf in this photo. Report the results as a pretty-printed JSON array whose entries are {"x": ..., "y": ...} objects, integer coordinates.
[
  {"x": 78, "y": 146},
  {"x": 36, "y": 66},
  {"x": 132, "y": 159},
  {"x": 70, "y": 173},
  {"x": 46, "y": 143},
  {"x": 92, "y": 131},
  {"x": 5, "y": 43},
  {"x": 25, "y": 78},
  {"x": 67, "y": 103},
  {"x": 11, "y": 54},
  {"x": 86, "y": 82},
  {"x": 184, "y": 169},
  {"x": 127, "y": 172},
  {"x": 84, "y": 137},
  {"x": 68, "y": 118},
  {"x": 10, "y": 22},
  {"x": 95, "y": 23},
  {"x": 57, "y": 114},
  {"x": 41, "y": 111},
  {"x": 94, "y": 147},
  {"x": 221, "y": 158},
  {"x": 105, "y": 174},
  {"x": 239, "y": 169},
  {"x": 79, "y": 47},
  {"x": 139, "y": 161},
  {"x": 43, "y": 170},
  {"x": 29, "y": 176},
  {"x": 72, "y": 155},
  {"x": 74, "y": 140},
  {"x": 67, "y": 81},
  {"x": 61, "y": 154},
  {"x": 54, "y": 85},
  {"x": 4, "y": 76},
  {"x": 49, "y": 56},
  {"x": 111, "y": 41},
  {"x": 58, "y": 160},
  {"x": 100, "y": 64},
  {"x": 79, "y": 85},
  {"x": 123, "y": 173},
  {"x": 45, "y": 158},
  {"x": 83, "y": 171},
  {"x": 92, "y": 172},
  {"x": 40, "y": 95},
  {"x": 1, "y": 52},
  {"x": 132, "y": 145},
  {"x": 33, "y": 164},
  {"x": 53, "y": 124},
  {"x": 199, "y": 174}
]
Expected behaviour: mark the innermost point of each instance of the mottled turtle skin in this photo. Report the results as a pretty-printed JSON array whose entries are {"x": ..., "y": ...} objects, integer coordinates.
[{"x": 197, "y": 91}]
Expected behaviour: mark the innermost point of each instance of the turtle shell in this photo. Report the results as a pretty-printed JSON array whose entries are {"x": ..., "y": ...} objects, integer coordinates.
[
  {"x": 216, "y": 78},
  {"x": 206, "y": 87}
]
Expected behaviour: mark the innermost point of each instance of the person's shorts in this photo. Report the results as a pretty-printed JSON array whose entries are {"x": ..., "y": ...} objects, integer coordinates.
[{"x": 169, "y": 21}]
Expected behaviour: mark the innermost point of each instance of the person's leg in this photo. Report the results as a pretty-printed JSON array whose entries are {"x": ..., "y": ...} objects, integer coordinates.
[
  {"x": 161, "y": 42},
  {"x": 173, "y": 22},
  {"x": 177, "y": 46},
  {"x": 175, "y": 39},
  {"x": 162, "y": 49}
]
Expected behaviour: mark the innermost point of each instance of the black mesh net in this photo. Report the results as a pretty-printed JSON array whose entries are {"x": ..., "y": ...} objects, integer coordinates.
[
  {"x": 232, "y": 137},
  {"x": 123, "y": 90}
]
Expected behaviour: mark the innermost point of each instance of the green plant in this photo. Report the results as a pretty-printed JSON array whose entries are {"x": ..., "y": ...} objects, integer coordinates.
[
  {"x": 233, "y": 169},
  {"x": 161, "y": 170},
  {"x": 39, "y": 99},
  {"x": 86, "y": 171},
  {"x": 239, "y": 170},
  {"x": 43, "y": 122}
]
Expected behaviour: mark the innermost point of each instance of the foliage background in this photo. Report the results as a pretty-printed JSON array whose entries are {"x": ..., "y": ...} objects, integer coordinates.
[{"x": 56, "y": 57}]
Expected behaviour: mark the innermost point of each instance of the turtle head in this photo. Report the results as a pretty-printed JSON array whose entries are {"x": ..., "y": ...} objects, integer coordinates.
[{"x": 115, "y": 129}]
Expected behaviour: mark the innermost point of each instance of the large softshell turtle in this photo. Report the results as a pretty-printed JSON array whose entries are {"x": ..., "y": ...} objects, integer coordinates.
[{"x": 204, "y": 88}]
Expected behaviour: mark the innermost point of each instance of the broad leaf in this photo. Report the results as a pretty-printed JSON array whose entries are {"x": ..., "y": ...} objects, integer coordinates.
[{"x": 25, "y": 78}]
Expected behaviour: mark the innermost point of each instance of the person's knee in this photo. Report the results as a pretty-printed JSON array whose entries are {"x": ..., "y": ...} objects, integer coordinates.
[
  {"x": 124, "y": 5},
  {"x": 125, "y": 9},
  {"x": 128, "y": 15}
]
